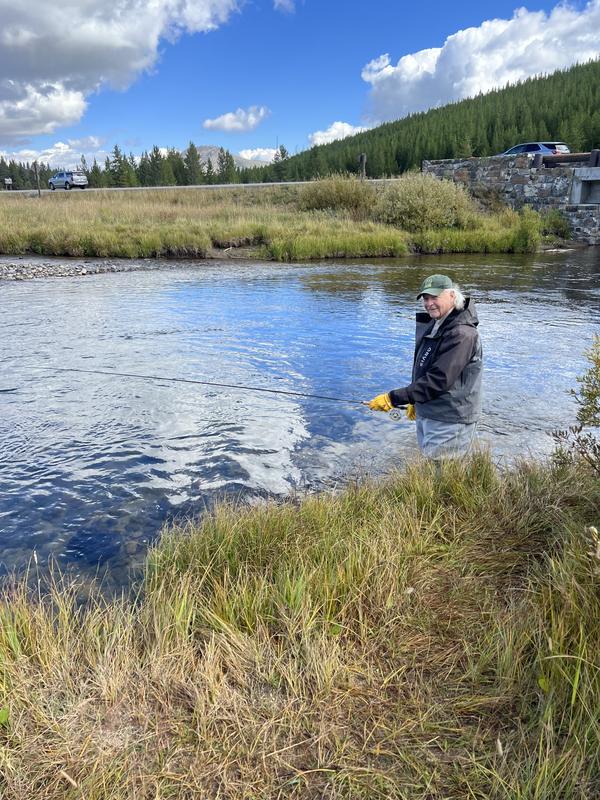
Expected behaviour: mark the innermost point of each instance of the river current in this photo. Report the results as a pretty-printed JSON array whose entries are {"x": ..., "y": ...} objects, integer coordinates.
[{"x": 92, "y": 466}]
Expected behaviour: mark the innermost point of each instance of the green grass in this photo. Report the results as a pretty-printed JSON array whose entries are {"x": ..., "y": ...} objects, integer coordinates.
[
  {"x": 269, "y": 222},
  {"x": 427, "y": 636}
]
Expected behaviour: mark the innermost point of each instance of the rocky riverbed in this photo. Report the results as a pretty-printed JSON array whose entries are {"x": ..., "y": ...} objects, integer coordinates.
[
  {"x": 21, "y": 268},
  {"x": 28, "y": 267}
]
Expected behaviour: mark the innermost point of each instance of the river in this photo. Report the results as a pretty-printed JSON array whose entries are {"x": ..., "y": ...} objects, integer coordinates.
[{"x": 92, "y": 466}]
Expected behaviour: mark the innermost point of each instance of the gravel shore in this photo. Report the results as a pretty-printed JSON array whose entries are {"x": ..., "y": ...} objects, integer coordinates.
[
  {"x": 22, "y": 268},
  {"x": 29, "y": 268}
]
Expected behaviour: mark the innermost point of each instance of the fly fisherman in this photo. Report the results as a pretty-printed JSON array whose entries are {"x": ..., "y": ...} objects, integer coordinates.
[{"x": 446, "y": 376}]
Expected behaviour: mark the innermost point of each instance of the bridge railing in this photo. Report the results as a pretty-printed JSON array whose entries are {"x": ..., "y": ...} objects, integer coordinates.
[{"x": 591, "y": 159}]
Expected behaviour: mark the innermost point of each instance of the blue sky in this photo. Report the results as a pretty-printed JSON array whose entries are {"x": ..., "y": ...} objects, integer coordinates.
[{"x": 251, "y": 74}]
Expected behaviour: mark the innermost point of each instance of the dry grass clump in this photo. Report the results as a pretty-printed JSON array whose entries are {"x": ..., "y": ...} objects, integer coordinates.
[
  {"x": 430, "y": 636},
  {"x": 339, "y": 193},
  {"x": 418, "y": 202}
]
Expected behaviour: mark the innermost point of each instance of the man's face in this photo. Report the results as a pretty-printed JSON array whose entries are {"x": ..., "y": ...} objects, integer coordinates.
[{"x": 439, "y": 306}]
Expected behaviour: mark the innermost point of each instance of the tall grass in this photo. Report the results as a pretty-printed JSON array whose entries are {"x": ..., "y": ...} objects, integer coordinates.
[
  {"x": 432, "y": 635},
  {"x": 339, "y": 192},
  {"x": 332, "y": 218}
]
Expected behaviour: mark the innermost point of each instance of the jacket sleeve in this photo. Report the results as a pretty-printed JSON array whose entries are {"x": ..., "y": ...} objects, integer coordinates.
[{"x": 454, "y": 353}]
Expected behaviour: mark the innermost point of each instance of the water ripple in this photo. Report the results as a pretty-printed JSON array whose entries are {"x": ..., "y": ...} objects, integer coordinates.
[{"x": 92, "y": 466}]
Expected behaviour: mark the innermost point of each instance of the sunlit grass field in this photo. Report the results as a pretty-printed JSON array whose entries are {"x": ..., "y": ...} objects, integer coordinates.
[
  {"x": 434, "y": 635},
  {"x": 268, "y": 222}
]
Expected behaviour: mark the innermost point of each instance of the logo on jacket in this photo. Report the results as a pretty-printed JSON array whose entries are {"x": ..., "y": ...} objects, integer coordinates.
[{"x": 425, "y": 355}]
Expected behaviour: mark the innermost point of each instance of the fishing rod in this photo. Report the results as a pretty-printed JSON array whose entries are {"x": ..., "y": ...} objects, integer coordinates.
[
  {"x": 206, "y": 383},
  {"x": 394, "y": 413}
]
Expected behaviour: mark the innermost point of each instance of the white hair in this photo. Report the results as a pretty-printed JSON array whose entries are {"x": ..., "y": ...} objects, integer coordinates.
[{"x": 459, "y": 298}]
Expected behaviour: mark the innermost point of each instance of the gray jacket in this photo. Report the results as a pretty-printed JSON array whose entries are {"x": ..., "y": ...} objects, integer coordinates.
[{"x": 446, "y": 378}]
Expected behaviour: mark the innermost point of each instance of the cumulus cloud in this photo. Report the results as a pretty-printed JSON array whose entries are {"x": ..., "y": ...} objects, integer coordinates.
[
  {"x": 238, "y": 121},
  {"x": 62, "y": 154},
  {"x": 474, "y": 60},
  {"x": 259, "y": 154},
  {"x": 52, "y": 56},
  {"x": 337, "y": 130},
  {"x": 27, "y": 108}
]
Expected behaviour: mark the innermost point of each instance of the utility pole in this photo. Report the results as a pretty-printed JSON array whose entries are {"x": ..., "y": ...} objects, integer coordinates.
[
  {"x": 37, "y": 177},
  {"x": 362, "y": 161}
]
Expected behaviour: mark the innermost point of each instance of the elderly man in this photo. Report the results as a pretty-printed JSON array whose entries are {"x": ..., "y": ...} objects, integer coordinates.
[{"x": 446, "y": 377}]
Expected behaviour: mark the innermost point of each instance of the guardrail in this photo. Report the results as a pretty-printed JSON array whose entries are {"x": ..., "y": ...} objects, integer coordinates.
[{"x": 591, "y": 159}]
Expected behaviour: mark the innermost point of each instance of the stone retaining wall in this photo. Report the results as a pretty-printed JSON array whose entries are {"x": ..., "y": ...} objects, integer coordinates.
[
  {"x": 518, "y": 183},
  {"x": 513, "y": 178},
  {"x": 584, "y": 221}
]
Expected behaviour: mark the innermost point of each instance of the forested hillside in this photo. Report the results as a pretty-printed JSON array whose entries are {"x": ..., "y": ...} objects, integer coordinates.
[{"x": 563, "y": 106}]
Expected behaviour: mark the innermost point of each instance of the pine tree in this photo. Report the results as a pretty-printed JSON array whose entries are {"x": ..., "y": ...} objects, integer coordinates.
[
  {"x": 209, "y": 172},
  {"x": 226, "y": 169},
  {"x": 280, "y": 164},
  {"x": 122, "y": 170},
  {"x": 193, "y": 166},
  {"x": 96, "y": 178},
  {"x": 465, "y": 148},
  {"x": 177, "y": 163},
  {"x": 144, "y": 170},
  {"x": 107, "y": 175},
  {"x": 155, "y": 167},
  {"x": 166, "y": 176}
]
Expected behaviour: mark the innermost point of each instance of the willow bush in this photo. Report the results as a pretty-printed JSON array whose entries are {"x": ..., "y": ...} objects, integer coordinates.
[{"x": 417, "y": 202}]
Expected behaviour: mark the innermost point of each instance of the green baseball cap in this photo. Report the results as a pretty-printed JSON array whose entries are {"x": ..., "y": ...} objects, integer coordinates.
[{"x": 435, "y": 285}]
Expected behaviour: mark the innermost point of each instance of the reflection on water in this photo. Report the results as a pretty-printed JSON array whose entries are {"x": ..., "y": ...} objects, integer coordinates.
[{"x": 91, "y": 466}]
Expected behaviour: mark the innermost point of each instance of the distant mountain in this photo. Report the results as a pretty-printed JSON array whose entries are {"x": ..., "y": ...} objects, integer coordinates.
[{"x": 211, "y": 151}]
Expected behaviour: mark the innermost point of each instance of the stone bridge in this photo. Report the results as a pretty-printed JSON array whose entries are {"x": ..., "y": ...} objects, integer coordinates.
[{"x": 573, "y": 188}]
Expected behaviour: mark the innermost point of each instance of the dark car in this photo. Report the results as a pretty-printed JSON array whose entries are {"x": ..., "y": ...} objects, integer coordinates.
[
  {"x": 545, "y": 148},
  {"x": 69, "y": 179}
]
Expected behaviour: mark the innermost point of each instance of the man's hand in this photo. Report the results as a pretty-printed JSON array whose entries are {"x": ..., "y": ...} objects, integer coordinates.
[{"x": 380, "y": 403}]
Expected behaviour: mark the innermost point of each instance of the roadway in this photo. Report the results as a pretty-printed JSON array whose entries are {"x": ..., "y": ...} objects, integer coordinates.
[{"x": 33, "y": 192}]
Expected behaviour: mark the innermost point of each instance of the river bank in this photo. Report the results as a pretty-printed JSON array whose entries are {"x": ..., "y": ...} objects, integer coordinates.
[
  {"x": 280, "y": 224},
  {"x": 30, "y": 267},
  {"x": 430, "y": 635}
]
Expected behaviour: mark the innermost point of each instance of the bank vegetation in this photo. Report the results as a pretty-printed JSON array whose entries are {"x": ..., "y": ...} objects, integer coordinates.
[
  {"x": 337, "y": 217},
  {"x": 433, "y": 635}
]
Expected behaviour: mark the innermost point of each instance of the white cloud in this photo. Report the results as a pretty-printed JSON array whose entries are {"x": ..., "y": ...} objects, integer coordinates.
[
  {"x": 63, "y": 154},
  {"x": 238, "y": 121},
  {"x": 259, "y": 154},
  {"x": 285, "y": 5},
  {"x": 53, "y": 55},
  {"x": 479, "y": 59},
  {"x": 27, "y": 108},
  {"x": 337, "y": 130}
]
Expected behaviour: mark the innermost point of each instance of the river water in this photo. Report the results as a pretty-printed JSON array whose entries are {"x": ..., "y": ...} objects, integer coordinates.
[{"x": 92, "y": 467}]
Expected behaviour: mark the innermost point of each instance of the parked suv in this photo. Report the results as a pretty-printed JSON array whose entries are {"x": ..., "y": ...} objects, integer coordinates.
[
  {"x": 546, "y": 148},
  {"x": 68, "y": 179}
]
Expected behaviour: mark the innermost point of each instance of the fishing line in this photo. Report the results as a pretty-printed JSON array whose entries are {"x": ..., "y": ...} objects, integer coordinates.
[{"x": 205, "y": 383}]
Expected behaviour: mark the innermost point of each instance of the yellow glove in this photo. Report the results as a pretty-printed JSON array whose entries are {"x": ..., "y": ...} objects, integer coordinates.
[
  {"x": 380, "y": 403},
  {"x": 411, "y": 414}
]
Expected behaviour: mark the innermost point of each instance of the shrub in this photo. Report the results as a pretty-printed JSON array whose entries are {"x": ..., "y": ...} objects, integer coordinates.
[
  {"x": 527, "y": 236},
  {"x": 339, "y": 193},
  {"x": 419, "y": 202},
  {"x": 554, "y": 224},
  {"x": 576, "y": 442}
]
